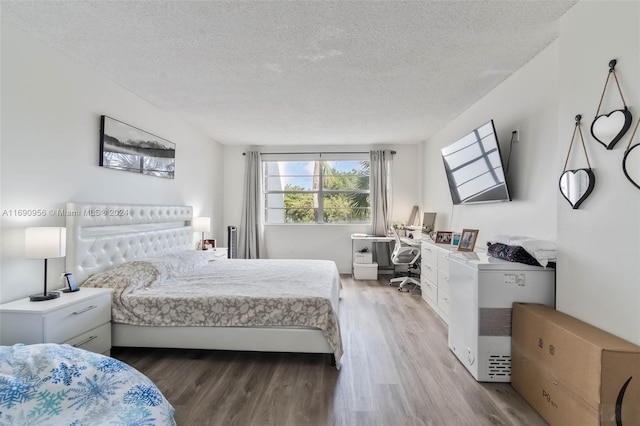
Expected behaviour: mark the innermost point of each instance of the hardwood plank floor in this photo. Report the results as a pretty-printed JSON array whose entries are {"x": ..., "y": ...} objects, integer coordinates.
[{"x": 397, "y": 370}]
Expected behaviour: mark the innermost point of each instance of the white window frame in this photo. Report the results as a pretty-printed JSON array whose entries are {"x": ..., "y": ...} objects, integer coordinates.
[{"x": 323, "y": 157}]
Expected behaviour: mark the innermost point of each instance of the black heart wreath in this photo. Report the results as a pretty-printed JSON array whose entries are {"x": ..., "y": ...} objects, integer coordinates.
[
  {"x": 608, "y": 129},
  {"x": 576, "y": 185},
  {"x": 631, "y": 160}
]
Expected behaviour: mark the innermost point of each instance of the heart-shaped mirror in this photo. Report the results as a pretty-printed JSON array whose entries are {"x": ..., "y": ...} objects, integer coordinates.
[
  {"x": 576, "y": 185},
  {"x": 631, "y": 165},
  {"x": 608, "y": 129}
]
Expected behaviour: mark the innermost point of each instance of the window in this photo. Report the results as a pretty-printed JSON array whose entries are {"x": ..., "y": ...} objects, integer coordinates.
[{"x": 316, "y": 190}]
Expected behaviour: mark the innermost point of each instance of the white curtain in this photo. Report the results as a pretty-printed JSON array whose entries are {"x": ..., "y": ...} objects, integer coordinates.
[
  {"x": 251, "y": 229},
  {"x": 381, "y": 191}
]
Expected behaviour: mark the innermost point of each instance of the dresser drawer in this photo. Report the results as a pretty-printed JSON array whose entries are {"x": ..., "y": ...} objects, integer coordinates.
[
  {"x": 443, "y": 302},
  {"x": 429, "y": 253},
  {"x": 443, "y": 261},
  {"x": 96, "y": 340},
  {"x": 443, "y": 280},
  {"x": 429, "y": 290},
  {"x": 75, "y": 318},
  {"x": 429, "y": 270}
]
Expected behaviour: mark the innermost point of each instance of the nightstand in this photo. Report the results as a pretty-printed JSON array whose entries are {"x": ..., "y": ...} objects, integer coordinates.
[
  {"x": 81, "y": 319},
  {"x": 216, "y": 253}
]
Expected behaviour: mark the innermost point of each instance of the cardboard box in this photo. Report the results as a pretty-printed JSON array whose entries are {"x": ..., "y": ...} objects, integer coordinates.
[
  {"x": 365, "y": 271},
  {"x": 571, "y": 372},
  {"x": 365, "y": 257}
]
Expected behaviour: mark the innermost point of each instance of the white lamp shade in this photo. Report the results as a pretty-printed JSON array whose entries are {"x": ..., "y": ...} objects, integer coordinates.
[
  {"x": 45, "y": 242},
  {"x": 201, "y": 224}
]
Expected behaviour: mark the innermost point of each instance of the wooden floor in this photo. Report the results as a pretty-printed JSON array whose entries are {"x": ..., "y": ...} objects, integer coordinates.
[{"x": 397, "y": 370}]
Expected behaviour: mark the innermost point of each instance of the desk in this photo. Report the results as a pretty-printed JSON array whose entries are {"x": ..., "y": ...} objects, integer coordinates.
[
  {"x": 361, "y": 241},
  {"x": 413, "y": 241}
]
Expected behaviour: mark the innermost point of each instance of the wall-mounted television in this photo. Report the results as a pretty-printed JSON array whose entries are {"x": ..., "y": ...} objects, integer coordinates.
[{"x": 473, "y": 166}]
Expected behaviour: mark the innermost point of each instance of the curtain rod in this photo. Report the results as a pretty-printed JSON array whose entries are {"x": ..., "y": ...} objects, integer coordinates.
[{"x": 320, "y": 153}]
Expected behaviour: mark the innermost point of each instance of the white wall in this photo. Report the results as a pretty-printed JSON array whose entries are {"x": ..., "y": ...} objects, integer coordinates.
[
  {"x": 598, "y": 273},
  {"x": 51, "y": 107},
  {"x": 324, "y": 241},
  {"x": 599, "y": 264},
  {"x": 527, "y": 102}
]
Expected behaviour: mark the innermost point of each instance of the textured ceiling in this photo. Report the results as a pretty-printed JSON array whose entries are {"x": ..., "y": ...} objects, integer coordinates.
[{"x": 301, "y": 72}]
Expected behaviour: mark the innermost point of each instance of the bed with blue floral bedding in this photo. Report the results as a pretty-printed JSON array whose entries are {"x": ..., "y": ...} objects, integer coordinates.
[{"x": 50, "y": 384}]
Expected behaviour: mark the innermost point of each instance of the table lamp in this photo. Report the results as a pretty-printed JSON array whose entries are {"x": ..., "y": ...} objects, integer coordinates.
[
  {"x": 201, "y": 224},
  {"x": 45, "y": 243}
]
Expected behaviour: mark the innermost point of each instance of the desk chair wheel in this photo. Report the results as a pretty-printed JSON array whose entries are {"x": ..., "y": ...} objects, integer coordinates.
[{"x": 406, "y": 290}]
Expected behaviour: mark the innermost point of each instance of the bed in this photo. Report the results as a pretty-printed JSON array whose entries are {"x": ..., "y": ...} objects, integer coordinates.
[
  {"x": 50, "y": 384},
  {"x": 145, "y": 253}
]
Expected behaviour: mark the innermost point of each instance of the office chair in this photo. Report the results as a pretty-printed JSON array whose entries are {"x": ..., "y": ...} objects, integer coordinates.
[{"x": 405, "y": 255}]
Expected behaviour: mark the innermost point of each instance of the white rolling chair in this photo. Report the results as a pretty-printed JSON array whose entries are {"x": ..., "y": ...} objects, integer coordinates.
[{"x": 405, "y": 255}]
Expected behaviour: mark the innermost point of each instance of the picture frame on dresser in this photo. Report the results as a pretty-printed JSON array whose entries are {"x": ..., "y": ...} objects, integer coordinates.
[
  {"x": 468, "y": 239},
  {"x": 455, "y": 239},
  {"x": 443, "y": 237}
]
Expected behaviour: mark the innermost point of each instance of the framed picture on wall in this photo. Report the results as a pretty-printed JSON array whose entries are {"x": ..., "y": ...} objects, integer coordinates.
[
  {"x": 468, "y": 239},
  {"x": 443, "y": 237},
  {"x": 124, "y": 147}
]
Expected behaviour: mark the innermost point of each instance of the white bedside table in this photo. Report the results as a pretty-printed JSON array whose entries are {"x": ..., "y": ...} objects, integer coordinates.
[
  {"x": 216, "y": 253},
  {"x": 81, "y": 319}
]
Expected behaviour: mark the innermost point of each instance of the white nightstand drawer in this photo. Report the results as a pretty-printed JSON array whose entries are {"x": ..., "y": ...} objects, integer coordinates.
[
  {"x": 96, "y": 340},
  {"x": 216, "y": 253},
  {"x": 75, "y": 318}
]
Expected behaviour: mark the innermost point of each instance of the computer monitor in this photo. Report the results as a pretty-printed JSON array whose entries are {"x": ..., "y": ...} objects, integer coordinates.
[{"x": 428, "y": 221}]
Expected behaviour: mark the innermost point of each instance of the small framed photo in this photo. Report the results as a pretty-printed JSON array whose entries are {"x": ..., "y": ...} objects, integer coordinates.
[
  {"x": 208, "y": 244},
  {"x": 468, "y": 239},
  {"x": 455, "y": 239},
  {"x": 443, "y": 237}
]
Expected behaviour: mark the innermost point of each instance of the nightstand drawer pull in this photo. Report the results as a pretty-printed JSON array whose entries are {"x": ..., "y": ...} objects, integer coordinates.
[
  {"x": 84, "y": 342},
  {"x": 85, "y": 310}
]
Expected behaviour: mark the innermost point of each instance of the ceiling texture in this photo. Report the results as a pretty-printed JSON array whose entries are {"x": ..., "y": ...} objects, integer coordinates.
[{"x": 300, "y": 72}]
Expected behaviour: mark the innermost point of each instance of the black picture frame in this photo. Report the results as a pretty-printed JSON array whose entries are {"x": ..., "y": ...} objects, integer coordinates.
[
  {"x": 72, "y": 285},
  {"x": 125, "y": 147}
]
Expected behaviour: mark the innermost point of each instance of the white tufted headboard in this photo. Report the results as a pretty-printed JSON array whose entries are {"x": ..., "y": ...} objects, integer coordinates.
[{"x": 101, "y": 236}]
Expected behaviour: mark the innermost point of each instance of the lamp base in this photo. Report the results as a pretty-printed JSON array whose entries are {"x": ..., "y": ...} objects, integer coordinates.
[{"x": 44, "y": 296}]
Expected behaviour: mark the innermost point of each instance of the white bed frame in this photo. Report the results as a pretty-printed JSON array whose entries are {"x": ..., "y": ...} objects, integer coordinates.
[{"x": 101, "y": 236}]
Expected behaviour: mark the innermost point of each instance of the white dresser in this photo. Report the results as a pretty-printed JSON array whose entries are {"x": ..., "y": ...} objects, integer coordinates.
[
  {"x": 81, "y": 319},
  {"x": 434, "y": 276}
]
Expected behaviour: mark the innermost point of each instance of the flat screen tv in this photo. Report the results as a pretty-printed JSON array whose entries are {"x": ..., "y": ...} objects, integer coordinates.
[{"x": 473, "y": 166}]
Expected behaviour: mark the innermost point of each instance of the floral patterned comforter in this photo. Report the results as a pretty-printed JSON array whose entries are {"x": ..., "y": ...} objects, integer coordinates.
[
  {"x": 49, "y": 384},
  {"x": 187, "y": 289}
]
